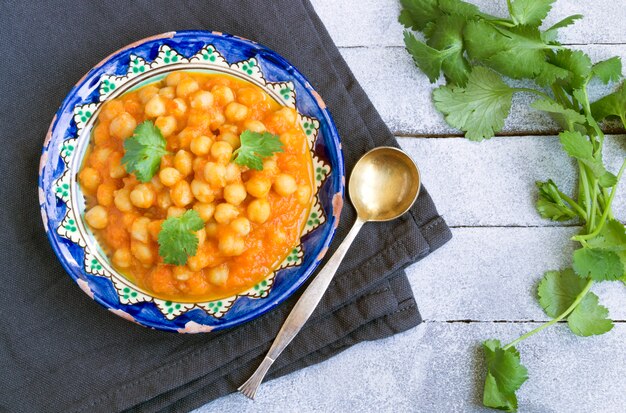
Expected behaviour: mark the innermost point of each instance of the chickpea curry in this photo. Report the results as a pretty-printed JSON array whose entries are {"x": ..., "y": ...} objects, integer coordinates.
[{"x": 197, "y": 186}]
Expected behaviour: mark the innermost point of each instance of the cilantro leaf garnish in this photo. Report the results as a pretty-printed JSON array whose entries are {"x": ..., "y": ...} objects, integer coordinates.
[
  {"x": 609, "y": 70},
  {"x": 505, "y": 375},
  {"x": 479, "y": 108},
  {"x": 177, "y": 238},
  {"x": 558, "y": 290},
  {"x": 143, "y": 151},
  {"x": 530, "y": 12},
  {"x": 599, "y": 264},
  {"x": 254, "y": 147}
]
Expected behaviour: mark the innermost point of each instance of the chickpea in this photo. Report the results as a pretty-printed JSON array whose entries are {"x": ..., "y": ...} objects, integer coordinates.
[
  {"x": 217, "y": 120},
  {"x": 303, "y": 194},
  {"x": 170, "y": 176},
  {"x": 235, "y": 193},
  {"x": 199, "y": 261},
  {"x": 183, "y": 162},
  {"x": 146, "y": 93},
  {"x": 218, "y": 275},
  {"x": 230, "y": 244},
  {"x": 123, "y": 126},
  {"x": 154, "y": 227},
  {"x": 201, "y": 145},
  {"x": 224, "y": 213},
  {"x": 122, "y": 200},
  {"x": 202, "y": 100},
  {"x": 122, "y": 258},
  {"x": 285, "y": 185},
  {"x": 164, "y": 201},
  {"x": 223, "y": 94},
  {"x": 211, "y": 229},
  {"x": 241, "y": 226},
  {"x": 104, "y": 195},
  {"x": 166, "y": 124},
  {"x": 230, "y": 137},
  {"x": 179, "y": 107},
  {"x": 174, "y": 78},
  {"x": 250, "y": 96},
  {"x": 101, "y": 133},
  {"x": 168, "y": 92},
  {"x": 202, "y": 191},
  {"x": 215, "y": 174},
  {"x": 198, "y": 165},
  {"x": 155, "y": 107},
  {"x": 199, "y": 118},
  {"x": 205, "y": 210},
  {"x": 139, "y": 229},
  {"x": 233, "y": 173},
  {"x": 279, "y": 236},
  {"x": 186, "y": 87},
  {"x": 175, "y": 211},
  {"x": 100, "y": 156},
  {"x": 222, "y": 151},
  {"x": 89, "y": 179},
  {"x": 236, "y": 112},
  {"x": 201, "y": 236},
  {"x": 116, "y": 169},
  {"x": 186, "y": 136},
  {"x": 288, "y": 114},
  {"x": 142, "y": 252},
  {"x": 111, "y": 109},
  {"x": 258, "y": 186},
  {"x": 291, "y": 138},
  {"x": 181, "y": 194},
  {"x": 259, "y": 211},
  {"x": 97, "y": 217},
  {"x": 142, "y": 196},
  {"x": 181, "y": 273},
  {"x": 254, "y": 126},
  {"x": 229, "y": 128}
]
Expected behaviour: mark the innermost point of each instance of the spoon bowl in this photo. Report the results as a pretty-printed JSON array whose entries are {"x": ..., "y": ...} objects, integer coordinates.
[{"x": 384, "y": 184}]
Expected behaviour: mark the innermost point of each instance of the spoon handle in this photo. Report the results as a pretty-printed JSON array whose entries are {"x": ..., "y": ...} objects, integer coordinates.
[{"x": 301, "y": 311}]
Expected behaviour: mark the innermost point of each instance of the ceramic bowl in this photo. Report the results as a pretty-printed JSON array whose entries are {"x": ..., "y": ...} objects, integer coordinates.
[{"x": 63, "y": 204}]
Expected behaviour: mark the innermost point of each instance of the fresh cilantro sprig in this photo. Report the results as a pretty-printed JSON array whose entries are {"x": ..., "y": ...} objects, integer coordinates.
[
  {"x": 143, "y": 151},
  {"x": 254, "y": 147},
  {"x": 177, "y": 239},
  {"x": 475, "y": 52}
]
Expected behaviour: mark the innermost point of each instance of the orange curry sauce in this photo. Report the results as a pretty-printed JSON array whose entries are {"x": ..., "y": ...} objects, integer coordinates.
[{"x": 129, "y": 232}]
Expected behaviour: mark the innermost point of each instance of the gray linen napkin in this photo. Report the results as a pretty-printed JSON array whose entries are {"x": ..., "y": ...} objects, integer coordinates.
[{"x": 60, "y": 351}]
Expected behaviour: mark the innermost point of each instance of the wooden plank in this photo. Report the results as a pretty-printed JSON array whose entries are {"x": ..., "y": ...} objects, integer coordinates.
[
  {"x": 375, "y": 22},
  {"x": 438, "y": 367},
  {"x": 491, "y": 274},
  {"x": 402, "y": 94},
  {"x": 493, "y": 183}
]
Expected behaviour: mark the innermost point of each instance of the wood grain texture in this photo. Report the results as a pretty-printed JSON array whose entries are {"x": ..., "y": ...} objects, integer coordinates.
[{"x": 369, "y": 23}]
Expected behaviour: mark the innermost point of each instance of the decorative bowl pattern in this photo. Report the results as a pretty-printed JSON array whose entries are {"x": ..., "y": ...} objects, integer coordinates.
[{"x": 62, "y": 203}]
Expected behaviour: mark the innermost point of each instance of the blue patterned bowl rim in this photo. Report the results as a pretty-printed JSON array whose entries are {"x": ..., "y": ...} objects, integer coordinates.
[{"x": 238, "y": 53}]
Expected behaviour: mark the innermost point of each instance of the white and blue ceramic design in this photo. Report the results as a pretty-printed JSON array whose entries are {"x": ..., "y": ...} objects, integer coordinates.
[{"x": 62, "y": 203}]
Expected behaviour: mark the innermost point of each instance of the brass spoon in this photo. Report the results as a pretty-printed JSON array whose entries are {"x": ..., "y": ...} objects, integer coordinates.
[{"x": 384, "y": 184}]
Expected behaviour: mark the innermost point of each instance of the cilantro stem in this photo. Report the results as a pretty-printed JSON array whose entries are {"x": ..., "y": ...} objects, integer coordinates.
[
  {"x": 561, "y": 316},
  {"x": 530, "y": 90},
  {"x": 594, "y": 205},
  {"x": 573, "y": 204},
  {"x": 605, "y": 214},
  {"x": 585, "y": 182},
  {"x": 561, "y": 97}
]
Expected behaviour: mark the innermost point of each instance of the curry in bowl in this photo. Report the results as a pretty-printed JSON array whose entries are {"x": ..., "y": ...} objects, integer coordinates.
[{"x": 197, "y": 186}]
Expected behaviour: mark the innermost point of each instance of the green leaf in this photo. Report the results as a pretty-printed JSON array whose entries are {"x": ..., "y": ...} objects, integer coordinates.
[
  {"x": 480, "y": 108},
  {"x": 550, "y": 205},
  {"x": 589, "y": 317},
  {"x": 598, "y": 264},
  {"x": 256, "y": 146},
  {"x": 530, "y": 12},
  {"x": 612, "y": 237},
  {"x": 416, "y": 14},
  {"x": 577, "y": 63},
  {"x": 428, "y": 59},
  {"x": 505, "y": 375},
  {"x": 558, "y": 291},
  {"x": 143, "y": 151},
  {"x": 609, "y": 70},
  {"x": 581, "y": 148},
  {"x": 551, "y": 34},
  {"x": 177, "y": 238},
  {"x": 447, "y": 37},
  {"x": 563, "y": 116},
  {"x": 611, "y": 105}
]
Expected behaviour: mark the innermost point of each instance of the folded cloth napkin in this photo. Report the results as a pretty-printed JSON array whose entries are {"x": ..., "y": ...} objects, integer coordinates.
[{"x": 59, "y": 350}]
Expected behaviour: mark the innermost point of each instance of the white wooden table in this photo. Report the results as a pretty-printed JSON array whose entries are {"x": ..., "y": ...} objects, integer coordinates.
[{"x": 482, "y": 283}]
